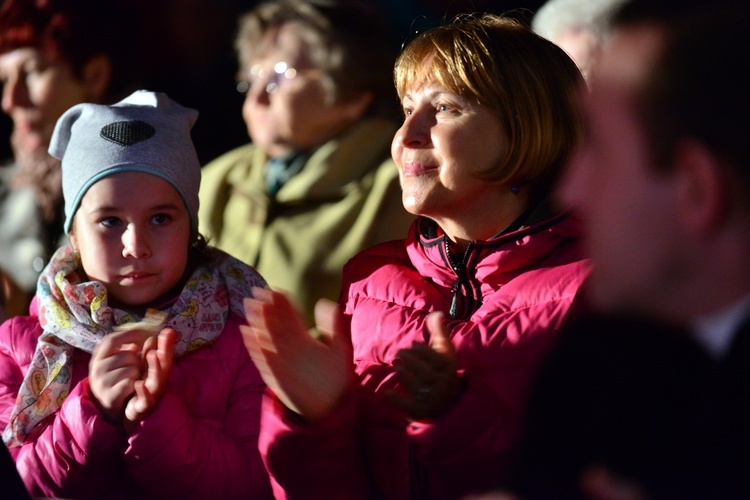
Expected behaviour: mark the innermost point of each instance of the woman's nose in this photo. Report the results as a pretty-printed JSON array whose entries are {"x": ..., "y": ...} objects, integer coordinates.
[
  {"x": 257, "y": 91},
  {"x": 15, "y": 94},
  {"x": 414, "y": 132}
]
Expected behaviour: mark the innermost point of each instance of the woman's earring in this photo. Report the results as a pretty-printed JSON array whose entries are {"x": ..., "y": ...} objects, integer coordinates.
[{"x": 515, "y": 189}]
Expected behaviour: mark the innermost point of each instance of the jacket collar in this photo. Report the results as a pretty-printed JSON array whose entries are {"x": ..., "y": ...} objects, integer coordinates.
[{"x": 540, "y": 215}]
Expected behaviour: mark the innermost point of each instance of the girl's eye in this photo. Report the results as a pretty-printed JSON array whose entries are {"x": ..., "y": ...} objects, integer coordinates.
[
  {"x": 160, "y": 219},
  {"x": 408, "y": 111},
  {"x": 110, "y": 222}
]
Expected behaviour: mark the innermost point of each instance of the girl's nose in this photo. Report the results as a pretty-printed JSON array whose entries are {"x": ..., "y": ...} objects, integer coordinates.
[{"x": 135, "y": 243}]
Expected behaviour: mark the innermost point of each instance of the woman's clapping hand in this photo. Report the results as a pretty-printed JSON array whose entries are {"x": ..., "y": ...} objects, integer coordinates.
[{"x": 308, "y": 375}]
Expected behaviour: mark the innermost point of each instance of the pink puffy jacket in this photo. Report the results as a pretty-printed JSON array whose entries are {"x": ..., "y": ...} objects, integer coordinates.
[
  {"x": 200, "y": 442},
  {"x": 509, "y": 297}
]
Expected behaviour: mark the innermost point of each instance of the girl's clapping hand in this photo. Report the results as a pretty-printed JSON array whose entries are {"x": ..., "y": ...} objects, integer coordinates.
[
  {"x": 114, "y": 368},
  {"x": 158, "y": 353}
]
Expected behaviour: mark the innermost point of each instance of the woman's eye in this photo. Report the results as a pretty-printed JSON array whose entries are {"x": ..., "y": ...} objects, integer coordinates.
[
  {"x": 408, "y": 111},
  {"x": 34, "y": 68}
]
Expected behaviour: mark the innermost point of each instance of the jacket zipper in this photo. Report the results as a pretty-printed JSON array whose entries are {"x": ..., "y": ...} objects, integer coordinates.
[{"x": 462, "y": 281}]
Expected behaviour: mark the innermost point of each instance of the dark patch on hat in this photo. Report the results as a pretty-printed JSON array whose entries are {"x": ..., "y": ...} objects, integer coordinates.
[{"x": 127, "y": 133}]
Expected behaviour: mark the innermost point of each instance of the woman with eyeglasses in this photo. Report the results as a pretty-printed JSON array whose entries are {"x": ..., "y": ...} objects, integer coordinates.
[
  {"x": 416, "y": 387},
  {"x": 316, "y": 184}
]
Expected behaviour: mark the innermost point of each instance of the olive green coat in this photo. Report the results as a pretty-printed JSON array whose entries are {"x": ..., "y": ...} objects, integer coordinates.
[{"x": 345, "y": 199}]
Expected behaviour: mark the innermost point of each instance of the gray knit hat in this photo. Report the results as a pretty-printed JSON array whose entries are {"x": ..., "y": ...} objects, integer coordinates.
[{"x": 145, "y": 132}]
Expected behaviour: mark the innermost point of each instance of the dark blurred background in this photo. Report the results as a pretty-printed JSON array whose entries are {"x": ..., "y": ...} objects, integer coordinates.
[{"x": 187, "y": 51}]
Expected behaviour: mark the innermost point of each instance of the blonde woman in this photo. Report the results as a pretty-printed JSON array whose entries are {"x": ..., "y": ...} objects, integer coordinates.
[{"x": 418, "y": 388}]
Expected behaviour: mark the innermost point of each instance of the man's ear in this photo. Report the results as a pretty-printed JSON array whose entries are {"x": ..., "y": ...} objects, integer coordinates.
[
  {"x": 97, "y": 76},
  {"x": 703, "y": 188}
]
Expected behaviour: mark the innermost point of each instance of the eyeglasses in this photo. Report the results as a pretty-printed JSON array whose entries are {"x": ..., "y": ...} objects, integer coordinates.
[{"x": 277, "y": 78}]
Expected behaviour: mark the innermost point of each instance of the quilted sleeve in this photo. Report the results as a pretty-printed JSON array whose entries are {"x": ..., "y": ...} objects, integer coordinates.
[{"x": 76, "y": 454}]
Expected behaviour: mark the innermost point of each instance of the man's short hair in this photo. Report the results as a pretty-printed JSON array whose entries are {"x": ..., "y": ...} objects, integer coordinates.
[
  {"x": 698, "y": 86},
  {"x": 556, "y": 17}
]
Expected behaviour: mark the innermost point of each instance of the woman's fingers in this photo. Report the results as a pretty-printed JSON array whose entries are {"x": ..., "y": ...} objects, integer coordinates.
[
  {"x": 306, "y": 374},
  {"x": 427, "y": 373},
  {"x": 440, "y": 338}
]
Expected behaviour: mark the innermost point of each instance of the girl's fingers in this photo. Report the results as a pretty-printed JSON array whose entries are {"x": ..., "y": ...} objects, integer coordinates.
[
  {"x": 115, "y": 342},
  {"x": 153, "y": 380},
  {"x": 139, "y": 403},
  {"x": 165, "y": 349},
  {"x": 148, "y": 344},
  {"x": 142, "y": 398}
]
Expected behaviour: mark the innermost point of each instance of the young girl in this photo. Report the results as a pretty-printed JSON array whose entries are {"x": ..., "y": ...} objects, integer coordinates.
[{"x": 168, "y": 406}]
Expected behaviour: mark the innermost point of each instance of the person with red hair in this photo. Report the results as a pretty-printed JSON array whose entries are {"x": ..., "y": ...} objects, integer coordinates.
[{"x": 53, "y": 54}]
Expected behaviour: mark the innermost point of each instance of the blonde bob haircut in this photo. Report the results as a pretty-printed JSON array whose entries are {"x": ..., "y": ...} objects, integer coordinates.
[{"x": 529, "y": 82}]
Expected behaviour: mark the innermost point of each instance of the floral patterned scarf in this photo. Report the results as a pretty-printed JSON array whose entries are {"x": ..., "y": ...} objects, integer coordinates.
[{"x": 74, "y": 314}]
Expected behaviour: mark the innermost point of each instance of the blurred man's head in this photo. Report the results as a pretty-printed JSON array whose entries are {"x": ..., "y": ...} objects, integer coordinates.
[
  {"x": 663, "y": 180},
  {"x": 577, "y": 26}
]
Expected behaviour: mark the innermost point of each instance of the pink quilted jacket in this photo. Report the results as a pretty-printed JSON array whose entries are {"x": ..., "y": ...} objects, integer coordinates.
[
  {"x": 200, "y": 442},
  {"x": 509, "y": 296}
]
